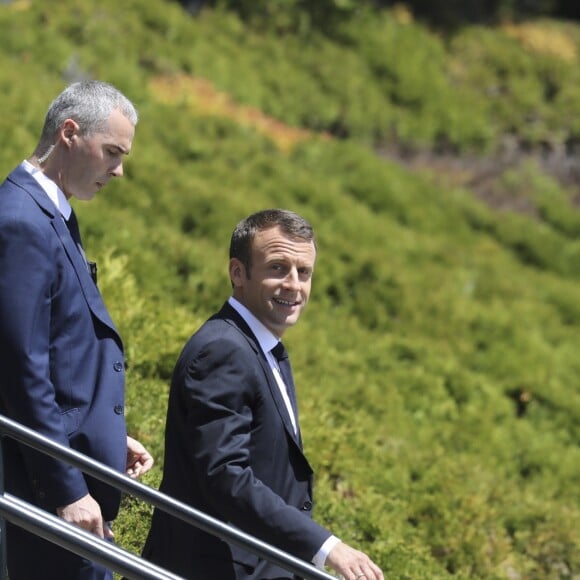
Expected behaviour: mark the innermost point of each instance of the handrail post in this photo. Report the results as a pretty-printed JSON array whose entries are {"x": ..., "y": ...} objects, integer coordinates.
[{"x": 3, "y": 558}]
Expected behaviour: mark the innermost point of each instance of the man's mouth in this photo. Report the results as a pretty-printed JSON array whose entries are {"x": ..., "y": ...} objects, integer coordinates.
[{"x": 282, "y": 302}]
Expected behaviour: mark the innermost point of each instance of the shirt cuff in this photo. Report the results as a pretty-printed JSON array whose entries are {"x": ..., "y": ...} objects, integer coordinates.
[{"x": 320, "y": 557}]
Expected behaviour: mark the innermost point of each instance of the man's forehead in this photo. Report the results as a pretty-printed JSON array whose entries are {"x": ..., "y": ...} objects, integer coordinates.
[{"x": 273, "y": 246}]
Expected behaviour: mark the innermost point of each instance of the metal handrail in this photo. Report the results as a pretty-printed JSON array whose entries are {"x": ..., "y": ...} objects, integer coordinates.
[
  {"x": 11, "y": 508},
  {"x": 82, "y": 542}
]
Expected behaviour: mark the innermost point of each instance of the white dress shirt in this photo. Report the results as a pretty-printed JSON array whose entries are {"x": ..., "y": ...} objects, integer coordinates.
[{"x": 51, "y": 189}]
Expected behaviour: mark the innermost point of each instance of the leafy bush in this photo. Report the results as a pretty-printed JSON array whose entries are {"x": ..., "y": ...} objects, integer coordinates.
[{"x": 437, "y": 363}]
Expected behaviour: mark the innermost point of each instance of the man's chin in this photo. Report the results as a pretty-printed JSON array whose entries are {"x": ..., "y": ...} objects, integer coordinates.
[
  {"x": 85, "y": 196},
  {"x": 290, "y": 320}
]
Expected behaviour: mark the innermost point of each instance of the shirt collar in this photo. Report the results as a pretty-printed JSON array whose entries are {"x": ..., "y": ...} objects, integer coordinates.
[
  {"x": 51, "y": 189},
  {"x": 265, "y": 338}
]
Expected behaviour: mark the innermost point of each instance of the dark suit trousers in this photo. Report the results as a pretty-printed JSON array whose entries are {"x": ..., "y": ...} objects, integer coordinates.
[
  {"x": 47, "y": 561},
  {"x": 213, "y": 569}
]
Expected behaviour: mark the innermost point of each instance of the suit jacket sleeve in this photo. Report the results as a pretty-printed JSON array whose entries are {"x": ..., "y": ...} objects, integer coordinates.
[
  {"x": 28, "y": 279},
  {"x": 224, "y": 391}
]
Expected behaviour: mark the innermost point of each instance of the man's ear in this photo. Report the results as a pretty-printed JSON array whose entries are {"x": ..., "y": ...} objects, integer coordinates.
[
  {"x": 69, "y": 130},
  {"x": 237, "y": 272}
]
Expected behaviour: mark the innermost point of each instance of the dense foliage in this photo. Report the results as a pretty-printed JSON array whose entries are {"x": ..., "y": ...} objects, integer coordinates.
[
  {"x": 325, "y": 15},
  {"x": 437, "y": 365}
]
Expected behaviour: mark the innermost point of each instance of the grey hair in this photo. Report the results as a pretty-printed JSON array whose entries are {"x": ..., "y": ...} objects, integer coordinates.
[{"x": 89, "y": 103}]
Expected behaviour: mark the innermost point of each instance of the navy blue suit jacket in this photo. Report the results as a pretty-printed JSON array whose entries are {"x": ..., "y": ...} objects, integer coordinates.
[
  {"x": 231, "y": 451},
  {"x": 61, "y": 358}
]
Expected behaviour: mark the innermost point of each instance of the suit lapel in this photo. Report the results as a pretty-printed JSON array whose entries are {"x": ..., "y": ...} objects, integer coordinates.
[
  {"x": 89, "y": 289},
  {"x": 24, "y": 180},
  {"x": 228, "y": 312},
  {"x": 279, "y": 400}
]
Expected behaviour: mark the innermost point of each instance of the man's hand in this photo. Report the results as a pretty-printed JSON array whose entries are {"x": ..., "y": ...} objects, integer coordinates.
[
  {"x": 352, "y": 564},
  {"x": 86, "y": 514},
  {"x": 139, "y": 460}
]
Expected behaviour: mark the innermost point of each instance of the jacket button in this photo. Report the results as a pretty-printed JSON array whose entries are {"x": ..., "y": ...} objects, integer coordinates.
[
  {"x": 307, "y": 506},
  {"x": 118, "y": 366},
  {"x": 118, "y": 409}
]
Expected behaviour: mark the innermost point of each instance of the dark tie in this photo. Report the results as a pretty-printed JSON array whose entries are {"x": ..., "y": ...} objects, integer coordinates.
[
  {"x": 281, "y": 355},
  {"x": 73, "y": 227}
]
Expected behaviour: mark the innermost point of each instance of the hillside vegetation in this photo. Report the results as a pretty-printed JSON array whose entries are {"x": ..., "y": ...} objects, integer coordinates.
[{"x": 438, "y": 364}]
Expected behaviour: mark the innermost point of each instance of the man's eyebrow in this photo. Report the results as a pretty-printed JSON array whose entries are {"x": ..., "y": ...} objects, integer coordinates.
[{"x": 119, "y": 148}]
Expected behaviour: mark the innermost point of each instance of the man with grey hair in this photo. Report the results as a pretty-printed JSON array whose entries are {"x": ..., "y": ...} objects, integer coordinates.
[{"x": 62, "y": 367}]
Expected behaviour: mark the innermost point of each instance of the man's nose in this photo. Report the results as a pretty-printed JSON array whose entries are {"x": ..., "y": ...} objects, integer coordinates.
[
  {"x": 117, "y": 170},
  {"x": 292, "y": 280}
]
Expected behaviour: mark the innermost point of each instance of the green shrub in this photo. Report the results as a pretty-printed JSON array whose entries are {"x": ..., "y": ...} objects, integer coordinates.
[{"x": 437, "y": 362}]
